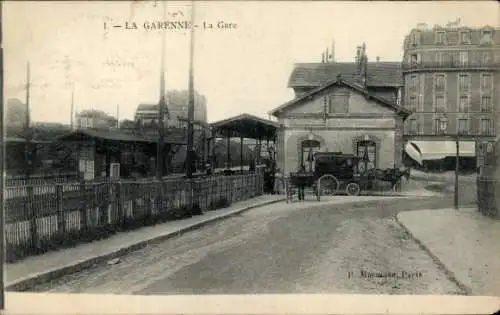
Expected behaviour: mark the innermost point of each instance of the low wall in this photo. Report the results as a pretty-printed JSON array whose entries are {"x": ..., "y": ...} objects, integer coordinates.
[{"x": 36, "y": 215}]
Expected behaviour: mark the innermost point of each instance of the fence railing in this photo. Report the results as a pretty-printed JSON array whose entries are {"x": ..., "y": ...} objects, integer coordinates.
[
  {"x": 488, "y": 193},
  {"x": 40, "y": 218}
]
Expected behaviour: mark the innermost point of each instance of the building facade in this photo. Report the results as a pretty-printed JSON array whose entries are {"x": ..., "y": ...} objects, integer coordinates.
[
  {"x": 453, "y": 72},
  {"x": 340, "y": 117},
  {"x": 96, "y": 119},
  {"x": 348, "y": 107}
]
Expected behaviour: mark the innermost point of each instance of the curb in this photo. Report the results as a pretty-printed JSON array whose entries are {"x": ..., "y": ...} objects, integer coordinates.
[
  {"x": 27, "y": 283},
  {"x": 449, "y": 274}
]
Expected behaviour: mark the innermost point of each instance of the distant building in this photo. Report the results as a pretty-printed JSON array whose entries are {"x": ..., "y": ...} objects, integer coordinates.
[
  {"x": 451, "y": 71},
  {"x": 176, "y": 113},
  {"x": 95, "y": 119}
]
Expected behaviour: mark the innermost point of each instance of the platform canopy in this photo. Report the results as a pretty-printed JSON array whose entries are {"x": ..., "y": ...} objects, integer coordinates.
[
  {"x": 245, "y": 126},
  {"x": 437, "y": 150}
]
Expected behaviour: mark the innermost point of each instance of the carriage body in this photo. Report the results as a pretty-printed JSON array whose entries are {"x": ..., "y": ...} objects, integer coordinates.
[{"x": 336, "y": 172}]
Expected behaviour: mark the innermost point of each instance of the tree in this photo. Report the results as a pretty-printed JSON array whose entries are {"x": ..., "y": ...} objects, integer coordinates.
[{"x": 16, "y": 113}]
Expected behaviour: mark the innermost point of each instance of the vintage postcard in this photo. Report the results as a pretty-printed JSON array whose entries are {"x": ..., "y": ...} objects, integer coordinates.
[{"x": 345, "y": 152}]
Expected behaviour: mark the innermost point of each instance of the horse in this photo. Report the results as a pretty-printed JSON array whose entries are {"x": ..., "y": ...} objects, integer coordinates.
[{"x": 391, "y": 175}]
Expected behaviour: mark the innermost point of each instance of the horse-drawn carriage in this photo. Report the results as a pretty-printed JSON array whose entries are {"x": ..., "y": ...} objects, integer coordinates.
[{"x": 335, "y": 172}]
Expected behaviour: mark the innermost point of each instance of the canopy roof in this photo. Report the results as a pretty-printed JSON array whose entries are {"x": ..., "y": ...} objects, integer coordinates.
[
  {"x": 122, "y": 136},
  {"x": 246, "y": 126}
]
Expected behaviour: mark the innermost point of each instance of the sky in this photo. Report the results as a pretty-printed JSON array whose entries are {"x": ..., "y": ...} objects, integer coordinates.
[{"x": 239, "y": 70}]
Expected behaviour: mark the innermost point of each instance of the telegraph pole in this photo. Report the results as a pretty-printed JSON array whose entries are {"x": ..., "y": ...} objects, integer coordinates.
[
  {"x": 190, "y": 140},
  {"x": 2, "y": 169},
  {"x": 72, "y": 107},
  {"x": 160, "y": 152},
  {"x": 27, "y": 124}
]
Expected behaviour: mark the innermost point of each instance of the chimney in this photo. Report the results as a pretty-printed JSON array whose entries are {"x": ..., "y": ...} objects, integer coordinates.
[
  {"x": 358, "y": 54},
  {"x": 378, "y": 59},
  {"x": 332, "y": 58}
]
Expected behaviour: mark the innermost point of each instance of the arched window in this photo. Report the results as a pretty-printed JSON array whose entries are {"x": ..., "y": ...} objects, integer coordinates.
[
  {"x": 309, "y": 148},
  {"x": 367, "y": 151}
]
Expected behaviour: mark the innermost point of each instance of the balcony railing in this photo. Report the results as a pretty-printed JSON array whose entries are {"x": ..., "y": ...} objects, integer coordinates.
[{"x": 450, "y": 65}]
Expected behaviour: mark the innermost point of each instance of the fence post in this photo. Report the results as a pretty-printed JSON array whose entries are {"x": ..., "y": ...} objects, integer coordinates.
[
  {"x": 119, "y": 204},
  {"x": 83, "y": 207},
  {"x": 61, "y": 218},
  {"x": 32, "y": 216}
]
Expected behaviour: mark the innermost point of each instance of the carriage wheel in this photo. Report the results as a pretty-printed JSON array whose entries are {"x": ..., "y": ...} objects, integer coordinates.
[
  {"x": 328, "y": 185},
  {"x": 352, "y": 189}
]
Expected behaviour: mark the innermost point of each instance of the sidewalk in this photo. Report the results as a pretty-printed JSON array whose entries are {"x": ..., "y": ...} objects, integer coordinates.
[
  {"x": 464, "y": 241},
  {"x": 41, "y": 268}
]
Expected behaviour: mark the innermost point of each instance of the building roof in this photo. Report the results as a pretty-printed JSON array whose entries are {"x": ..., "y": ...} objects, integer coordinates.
[
  {"x": 121, "y": 135},
  {"x": 379, "y": 74},
  {"x": 340, "y": 80},
  {"x": 246, "y": 126}
]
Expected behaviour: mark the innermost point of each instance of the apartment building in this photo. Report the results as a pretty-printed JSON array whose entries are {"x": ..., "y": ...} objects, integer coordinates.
[{"x": 452, "y": 71}]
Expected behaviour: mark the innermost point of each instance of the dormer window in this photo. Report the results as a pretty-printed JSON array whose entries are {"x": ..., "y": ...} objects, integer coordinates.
[
  {"x": 440, "y": 37},
  {"x": 415, "y": 38},
  {"x": 465, "y": 37},
  {"x": 486, "y": 36}
]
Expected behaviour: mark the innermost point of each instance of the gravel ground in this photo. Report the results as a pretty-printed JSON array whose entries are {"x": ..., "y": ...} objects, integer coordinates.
[{"x": 281, "y": 248}]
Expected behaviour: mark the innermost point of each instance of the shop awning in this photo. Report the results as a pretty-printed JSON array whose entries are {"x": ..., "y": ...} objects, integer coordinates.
[{"x": 437, "y": 150}]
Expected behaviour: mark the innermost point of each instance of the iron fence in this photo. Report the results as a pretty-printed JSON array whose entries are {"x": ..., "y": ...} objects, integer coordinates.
[
  {"x": 488, "y": 196},
  {"x": 40, "y": 218}
]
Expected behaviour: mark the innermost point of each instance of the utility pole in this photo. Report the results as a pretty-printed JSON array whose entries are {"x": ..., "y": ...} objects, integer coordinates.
[
  {"x": 72, "y": 107},
  {"x": 27, "y": 125},
  {"x": 2, "y": 169},
  {"x": 160, "y": 152},
  {"x": 190, "y": 140}
]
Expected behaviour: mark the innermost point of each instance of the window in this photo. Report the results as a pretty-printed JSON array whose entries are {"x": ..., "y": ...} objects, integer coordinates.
[
  {"x": 415, "y": 38},
  {"x": 485, "y": 127},
  {"x": 465, "y": 37},
  {"x": 486, "y": 38},
  {"x": 413, "y": 127},
  {"x": 440, "y": 38},
  {"x": 486, "y": 104},
  {"x": 437, "y": 126},
  {"x": 338, "y": 103},
  {"x": 464, "y": 57},
  {"x": 463, "y": 126},
  {"x": 412, "y": 103},
  {"x": 439, "y": 58},
  {"x": 414, "y": 59},
  {"x": 463, "y": 82},
  {"x": 366, "y": 149},
  {"x": 414, "y": 82},
  {"x": 439, "y": 82},
  {"x": 485, "y": 58},
  {"x": 440, "y": 104},
  {"x": 309, "y": 148},
  {"x": 486, "y": 82},
  {"x": 463, "y": 105}
]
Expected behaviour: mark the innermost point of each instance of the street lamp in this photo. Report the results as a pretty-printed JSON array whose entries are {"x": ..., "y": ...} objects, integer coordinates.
[{"x": 443, "y": 126}]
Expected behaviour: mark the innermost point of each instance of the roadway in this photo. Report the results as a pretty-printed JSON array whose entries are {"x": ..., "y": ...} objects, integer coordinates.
[{"x": 281, "y": 248}]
